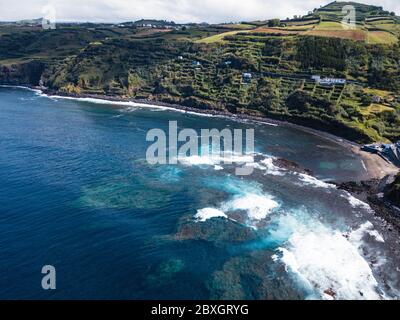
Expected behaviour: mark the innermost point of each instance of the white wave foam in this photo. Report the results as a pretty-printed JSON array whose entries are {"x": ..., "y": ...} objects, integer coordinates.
[
  {"x": 327, "y": 263},
  {"x": 354, "y": 202},
  {"x": 257, "y": 206},
  {"x": 272, "y": 169},
  {"x": 205, "y": 214},
  {"x": 109, "y": 102},
  {"x": 214, "y": 159},
  {"x": 246, "y": 196},
  {"x": 133, "y": 106},
  {"x": 196, "y": 160},
  {"x": 357, "y": 235},
  {"x": 265, "y": 165},
  {"x": 311, "y": 181}
]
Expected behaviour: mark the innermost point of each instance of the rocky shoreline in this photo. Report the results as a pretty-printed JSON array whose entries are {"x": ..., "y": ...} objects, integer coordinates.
[{"x": 373, "y": 192}]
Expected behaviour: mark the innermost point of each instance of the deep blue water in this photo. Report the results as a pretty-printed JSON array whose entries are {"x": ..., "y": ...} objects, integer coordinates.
[{"x": 77, "y": 193}]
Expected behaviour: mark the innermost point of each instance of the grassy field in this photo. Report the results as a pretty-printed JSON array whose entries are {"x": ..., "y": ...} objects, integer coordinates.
[
  {"x": 329, "y": 25},
  {"x": 376, "y": 108},
  {"x": 220, "y": 37},
  {"x": 241, "y": 26},
  {"x": 358, "y": 35},
  {"x": 381, "y": 37},
  {"x": 390, "y": 28},
  {"x": 283, "y": 31},
  {"x": 377, "y": 92}
]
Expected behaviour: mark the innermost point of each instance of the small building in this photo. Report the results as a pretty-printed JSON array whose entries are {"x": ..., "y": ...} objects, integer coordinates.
[
  {"x": 376, "y": 99},
  {"x": 373, "y": 148},
  {"x": 389, "y": 152},
  {"x": 316, "y": 78},
  {"x": 328, "y": 81},
  {"x": 331, "y": 81},
  {"x": 196, "y": 63},
  {"x": 247, "y": 77}
]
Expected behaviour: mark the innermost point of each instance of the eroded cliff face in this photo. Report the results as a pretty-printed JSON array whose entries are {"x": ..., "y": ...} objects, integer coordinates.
[{"x": 28, "y": 73}]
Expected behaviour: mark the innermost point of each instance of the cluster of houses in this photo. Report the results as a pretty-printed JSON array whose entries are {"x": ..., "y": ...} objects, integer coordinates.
[
  {"x": 390, "y": 152},
  {"x": 328, "y": 81},
  {"x": 154, "y": 24},
  {"x": 246, "y": 76}
]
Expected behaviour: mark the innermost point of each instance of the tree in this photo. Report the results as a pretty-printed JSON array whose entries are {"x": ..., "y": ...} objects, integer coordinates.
[
  {"x": 366, "y": 100},
  {"x": 274, "y": 23}
]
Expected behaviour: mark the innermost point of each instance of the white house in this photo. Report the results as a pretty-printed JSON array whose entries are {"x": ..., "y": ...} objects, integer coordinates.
[
  {"x": 328, "y": 81},
  {"x": 247, "y": 77},
  {"x": 316, "y": 78}
]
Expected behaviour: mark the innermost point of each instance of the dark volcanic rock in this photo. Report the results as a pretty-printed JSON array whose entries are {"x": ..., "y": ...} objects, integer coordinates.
[
  {"x": 216, "y": 230},
  {"x": 292, "y": 166},
  {"x": 380, "y": 195},
  {"x": 393, "y": 191}
]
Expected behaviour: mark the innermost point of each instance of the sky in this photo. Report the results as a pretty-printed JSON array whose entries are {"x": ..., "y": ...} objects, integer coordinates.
[{"x": 212, "y": 11}]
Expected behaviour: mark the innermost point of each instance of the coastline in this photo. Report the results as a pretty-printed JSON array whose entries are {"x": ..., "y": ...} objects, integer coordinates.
[
  {"x": 375, "y": 166},
  {"x": 379, "y": 173}
]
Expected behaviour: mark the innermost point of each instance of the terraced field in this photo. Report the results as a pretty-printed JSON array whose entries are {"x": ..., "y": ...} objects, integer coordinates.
[
  {"x": 220, "y": 37},
  {"x": 373, "y": 25}
]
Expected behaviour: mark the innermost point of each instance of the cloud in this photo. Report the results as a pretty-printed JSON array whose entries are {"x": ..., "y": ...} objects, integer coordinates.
[{"x": 177, "y": 10}]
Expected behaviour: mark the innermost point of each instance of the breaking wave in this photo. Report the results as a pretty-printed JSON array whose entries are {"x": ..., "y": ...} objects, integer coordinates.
[
  {"x": 209, "y": 213},
  {"x": 320, "y": 258},
  {"x": 245, "y": 197},
  {"x": 354, "y": 202},
  {"x": 314, "y": 182},
  {"x": 256, "y": 206}
]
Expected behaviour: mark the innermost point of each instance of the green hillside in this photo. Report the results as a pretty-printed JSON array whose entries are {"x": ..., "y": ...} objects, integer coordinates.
[
  {"x": 333, "y": 11},
  {"x": 204, "y": 66}
]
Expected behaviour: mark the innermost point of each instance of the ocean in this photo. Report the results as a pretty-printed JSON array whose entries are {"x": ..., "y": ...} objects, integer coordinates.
[{"x": 77, "y": 193}]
